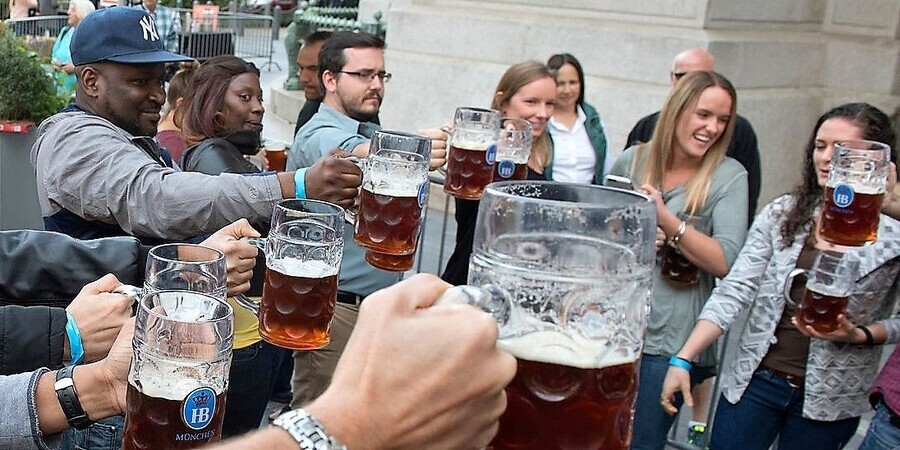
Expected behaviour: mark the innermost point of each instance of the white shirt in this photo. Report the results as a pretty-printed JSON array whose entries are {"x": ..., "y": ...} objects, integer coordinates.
[{"x": 574, "y": 157}]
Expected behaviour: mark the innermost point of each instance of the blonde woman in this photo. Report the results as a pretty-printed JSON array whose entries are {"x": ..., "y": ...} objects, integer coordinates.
[
  {"x": 684, "y": 170},
  {"x": 527, "y": 91}
]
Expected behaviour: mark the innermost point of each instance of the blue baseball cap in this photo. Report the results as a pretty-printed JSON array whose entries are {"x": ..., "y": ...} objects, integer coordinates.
[{"x": 122, "y": 35}]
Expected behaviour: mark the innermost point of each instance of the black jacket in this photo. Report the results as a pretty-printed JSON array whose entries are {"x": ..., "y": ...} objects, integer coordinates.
[{"x": 40, "y": 273}]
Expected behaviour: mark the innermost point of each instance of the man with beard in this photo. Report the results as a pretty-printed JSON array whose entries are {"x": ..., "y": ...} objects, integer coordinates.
[
  {"x": 100, "y": 173},
  {"x": 351, "y": 70},
  {"x": 308, "y": 73}
]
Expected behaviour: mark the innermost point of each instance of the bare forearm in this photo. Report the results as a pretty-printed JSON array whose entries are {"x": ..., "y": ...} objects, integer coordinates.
[
  {"x": 703, "y": 335},
  {"x": 701, "y": 250}
]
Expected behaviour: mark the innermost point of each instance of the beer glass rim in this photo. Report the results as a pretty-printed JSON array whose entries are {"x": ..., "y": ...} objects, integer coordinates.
[
  {"x": 527, "y": 125},
  {"x": 863, "y": 144},
  {"x": 324, "y": 208},
  {"x": 402, "y": 134},
  {"x": 478, "y": 110},
  {"x": 229, "y": 311},
  {"x": 501, "y": 189},
  {"x": 415, "y": 158},
  {"x": 154, "y": 252}
]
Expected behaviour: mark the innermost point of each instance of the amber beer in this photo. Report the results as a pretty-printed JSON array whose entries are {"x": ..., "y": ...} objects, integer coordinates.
[
  {"x": 156, "y": 422},
  {"x": 850, "y": 218},
  {"x": 677, "y": 268},
  {"x": 469, "y": 171},
  {"x": 820, "y": 311},
  {"x": 276, "y": 159},
  {"x": 298, "y": 304},
  {"x": 552, "y": 406},
  {"x": 389, "y": 222},
  {"x": 394, "y": 263},
  {"x": 507, "y": 170}
]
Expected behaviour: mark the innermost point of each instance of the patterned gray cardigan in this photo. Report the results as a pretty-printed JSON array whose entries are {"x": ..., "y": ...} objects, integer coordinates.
[{"x": 838, "y": 376}]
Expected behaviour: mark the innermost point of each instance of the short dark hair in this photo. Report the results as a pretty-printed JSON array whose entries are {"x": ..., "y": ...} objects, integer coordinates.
[
  {"x": 318, "y": 36},
  {"x": 557, "y": 61},
  {"x": 331, "y": 56}
]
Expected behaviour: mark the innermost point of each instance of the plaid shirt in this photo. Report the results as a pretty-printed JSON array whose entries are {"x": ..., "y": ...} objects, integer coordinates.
[{"x": 168, "y": 25}]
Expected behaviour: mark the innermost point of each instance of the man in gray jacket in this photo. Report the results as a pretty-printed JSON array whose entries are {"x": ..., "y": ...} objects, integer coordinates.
[{"x": 100, "y": 173}]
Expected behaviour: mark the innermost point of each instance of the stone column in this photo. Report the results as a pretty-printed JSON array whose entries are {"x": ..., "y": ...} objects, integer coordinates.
[{"x": 790, "y": 59}]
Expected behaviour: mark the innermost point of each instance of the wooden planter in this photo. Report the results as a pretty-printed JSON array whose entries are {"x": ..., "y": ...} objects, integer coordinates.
[{"x": 19, "y": 206}]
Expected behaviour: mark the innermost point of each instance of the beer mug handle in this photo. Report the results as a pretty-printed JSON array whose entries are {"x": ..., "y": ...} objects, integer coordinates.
[
  {"x": 245, "y": 302},
  {"x": 259, "y": 243},
  {"x": 786, "y": 289},
  {"x": 489, "y": 298}
]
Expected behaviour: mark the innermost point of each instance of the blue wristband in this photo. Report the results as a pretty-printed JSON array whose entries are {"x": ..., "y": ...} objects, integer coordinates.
[
  {"x": 681, "y": 362},
  {"x": 300, "y": 183},
  {"x": 76, "y": 349}
]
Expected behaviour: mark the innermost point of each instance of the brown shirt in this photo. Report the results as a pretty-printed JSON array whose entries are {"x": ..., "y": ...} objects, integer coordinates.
[{"x": 789, "y": 353}]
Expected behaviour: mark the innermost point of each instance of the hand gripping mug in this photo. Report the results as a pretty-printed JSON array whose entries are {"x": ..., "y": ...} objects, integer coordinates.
[
  {"x": 378, "y": 177},
  {"x": 828, "y": 289},
  {"x": 566, "y": 270},
  {"x": 303, "y": 256},
  {"x": 513, "y": 150},
  {"x": 179, "y": 377},
  {"x": 857, "y": 181},
  {"x": 473, "y": 149}
]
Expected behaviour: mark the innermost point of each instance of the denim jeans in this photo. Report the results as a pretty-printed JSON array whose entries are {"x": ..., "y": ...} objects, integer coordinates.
[
  {"x": 882, "y": 433},
  {"x": 770, "y": 408},
  {"x": 103, "y": 435},
  {"x": 253, "y": 370},
  {"x": 651, "y": 422}
]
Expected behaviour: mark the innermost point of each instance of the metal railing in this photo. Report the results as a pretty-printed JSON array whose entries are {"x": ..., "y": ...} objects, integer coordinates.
[
  {"x": 46, "y": 26},
  {"x": 248, "y": 36}
]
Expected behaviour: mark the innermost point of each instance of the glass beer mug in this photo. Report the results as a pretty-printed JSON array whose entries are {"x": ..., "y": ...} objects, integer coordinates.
[
  {"x": 386, "y": 257},
  {"x": 828, "y": 289},
  {"x": 513, "y": 149},
  {"x": 857, "y": 181},
  {"x": 303, "y": 256},
  {"x": 675, "y": 266},
  {"x": 394, "y": 192},
  {"x": 179, "y": 376},
  {"x": 566, "y": 270},
  {"x": 473, "y": 148}
]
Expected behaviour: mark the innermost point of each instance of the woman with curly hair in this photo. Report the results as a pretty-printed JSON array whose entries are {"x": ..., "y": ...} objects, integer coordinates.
[{"x": 789, "y": 382}]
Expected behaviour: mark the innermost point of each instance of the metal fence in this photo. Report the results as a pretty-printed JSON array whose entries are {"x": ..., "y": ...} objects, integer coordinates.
[{"x": 46, "y": 26}]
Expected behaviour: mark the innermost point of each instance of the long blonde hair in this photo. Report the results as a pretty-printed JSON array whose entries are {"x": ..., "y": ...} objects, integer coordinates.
[
  {"x": 681, "y": 100},
  {"x": 513, "y": 79}
]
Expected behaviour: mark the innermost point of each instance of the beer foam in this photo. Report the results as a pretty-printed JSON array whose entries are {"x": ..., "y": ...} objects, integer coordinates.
[
  {"x": 473, "y": 146},
  {"x": 306, "y": 269},
  {"x": 859, "y": 188},
  {"x": 395, "y": 187},
  {"x": 174, "y": 380},
  {"x": 554, "y": 347},
  {"x": 515, "y": 154}
]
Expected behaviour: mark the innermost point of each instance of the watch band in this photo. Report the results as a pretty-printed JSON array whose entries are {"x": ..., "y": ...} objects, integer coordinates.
[
  {"x": 307, "y": 431},
  {"x": 68, "y": 399}
]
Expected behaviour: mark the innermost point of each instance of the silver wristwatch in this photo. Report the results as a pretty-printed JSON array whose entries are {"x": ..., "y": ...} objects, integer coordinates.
[{"x": 307, "y": 431}]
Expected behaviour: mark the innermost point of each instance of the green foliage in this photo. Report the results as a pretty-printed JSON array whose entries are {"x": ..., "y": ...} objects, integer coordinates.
[{"x": 27, "y": 91}]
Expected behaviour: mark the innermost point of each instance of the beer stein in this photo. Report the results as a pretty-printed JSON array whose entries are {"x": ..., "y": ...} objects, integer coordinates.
[
  {"x": 857, "y": 181},
  {"x": 303, "y": 256},
  {"x": 513, "y": 149},
  {"x": 567, "y": 272},
  {"x": 179, "y": 377},
  {"x": 276, "y": 155},
  {"x": 394, "y": 191},
  {"x": 828, "y": 289},
  {"x": 675, "y": 267},
  {"x": 473, "y": 149},
  {"x": 182, "y": 267}
]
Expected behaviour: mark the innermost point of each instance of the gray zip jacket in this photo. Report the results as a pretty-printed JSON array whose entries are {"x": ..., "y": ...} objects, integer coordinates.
[
  {"x": 89, "y": 167},
  {"x": 838, "y": 375},
  {"x": 18, "y": 415}
]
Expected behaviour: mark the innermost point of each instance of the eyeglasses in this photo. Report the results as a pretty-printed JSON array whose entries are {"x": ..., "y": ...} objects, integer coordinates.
[
  {"x": 678, "y": 75},
  {"x": 369, "y": 75}
]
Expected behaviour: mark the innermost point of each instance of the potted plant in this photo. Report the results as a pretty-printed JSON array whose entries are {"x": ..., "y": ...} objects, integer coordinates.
[{"x": 28, "y": 95}]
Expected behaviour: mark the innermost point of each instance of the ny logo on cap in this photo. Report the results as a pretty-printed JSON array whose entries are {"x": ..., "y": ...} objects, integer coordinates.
[{"x": 149, "y": 29}]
